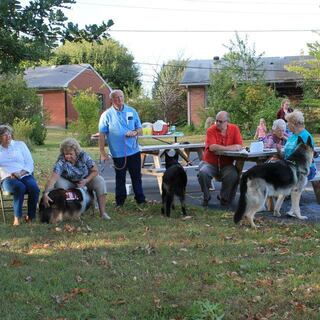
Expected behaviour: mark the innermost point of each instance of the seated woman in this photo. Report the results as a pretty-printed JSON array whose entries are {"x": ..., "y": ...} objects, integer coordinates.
[
  {"x": 296, "y": 125},
  {"x": 75, "y": 169},
  {"x": 16, "y": 169},
  {"x": 277, "y": 136}
]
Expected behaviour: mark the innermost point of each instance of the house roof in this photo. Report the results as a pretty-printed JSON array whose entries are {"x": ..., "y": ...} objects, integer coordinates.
[
  {"x": 55, "y": 77},
  {"x": 198, "y": 72}
]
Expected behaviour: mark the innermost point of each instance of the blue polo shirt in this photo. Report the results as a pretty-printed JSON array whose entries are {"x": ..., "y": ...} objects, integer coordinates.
[
  {"x": 292, "y": 144},
  {"x": 115, "y": 124}
]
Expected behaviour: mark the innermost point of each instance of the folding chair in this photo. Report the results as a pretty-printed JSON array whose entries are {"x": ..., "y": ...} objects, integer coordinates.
[{"x": 3, "y": 195}]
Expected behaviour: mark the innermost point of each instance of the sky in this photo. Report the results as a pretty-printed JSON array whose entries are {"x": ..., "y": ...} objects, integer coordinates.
[{"x": 286, "y": 26}]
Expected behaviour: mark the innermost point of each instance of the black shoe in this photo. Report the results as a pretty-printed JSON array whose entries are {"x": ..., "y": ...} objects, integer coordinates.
[
  {"x": 205, "y": 202},
  {"x": 223, "y": 201},
  {"x": 142, "y": 202}
]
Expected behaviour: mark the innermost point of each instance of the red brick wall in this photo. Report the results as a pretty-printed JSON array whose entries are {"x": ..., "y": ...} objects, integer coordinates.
[
  {"x": 53, "y": 104},
  {"x": 87, "y": 79},
  {"x": 197, "y": 104}
]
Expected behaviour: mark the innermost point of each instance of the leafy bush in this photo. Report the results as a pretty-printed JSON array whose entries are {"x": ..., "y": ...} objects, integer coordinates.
[
  {"x": 205, "y": 310},
  {"x": 17, "y": 100},
  {"x": 39, "y": 132},
  {"x": 87, "y": 105},
  {"x": 23, "y": 129}
]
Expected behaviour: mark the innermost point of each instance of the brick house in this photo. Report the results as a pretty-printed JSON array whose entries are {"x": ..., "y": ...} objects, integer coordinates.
[
  {"x": 56, "y": 84},
  {"x": 196, "y": 80}
]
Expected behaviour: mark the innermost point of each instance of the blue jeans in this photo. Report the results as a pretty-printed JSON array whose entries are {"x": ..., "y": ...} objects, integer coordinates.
[
  {"x": 19, "y": 187},
  {"x": 133, "y": 165}
]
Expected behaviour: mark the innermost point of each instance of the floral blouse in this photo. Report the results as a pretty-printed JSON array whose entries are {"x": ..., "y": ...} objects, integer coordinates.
[{"x": 77, "y": 172}]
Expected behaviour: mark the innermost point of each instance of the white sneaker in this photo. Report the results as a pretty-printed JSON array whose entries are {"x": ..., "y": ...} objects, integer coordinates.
[{"x": 105, "y": 216}]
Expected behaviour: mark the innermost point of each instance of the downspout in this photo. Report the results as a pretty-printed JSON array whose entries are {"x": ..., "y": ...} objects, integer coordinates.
[
  {"x": 66, "y": 108},
  {"x": 188, "y": 106}
]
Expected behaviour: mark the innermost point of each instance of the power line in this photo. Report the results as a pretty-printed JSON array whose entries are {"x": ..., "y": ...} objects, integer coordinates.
[
  {"x": 214, "y": 31},
  {"x": 191, "y": 9}
]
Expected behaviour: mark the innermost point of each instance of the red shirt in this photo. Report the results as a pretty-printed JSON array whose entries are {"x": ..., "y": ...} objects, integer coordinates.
[{"x": 214, "y": 136}]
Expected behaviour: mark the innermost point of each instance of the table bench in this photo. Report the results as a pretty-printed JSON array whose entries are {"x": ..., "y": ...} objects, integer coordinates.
[{"x": 316, "y": 186}]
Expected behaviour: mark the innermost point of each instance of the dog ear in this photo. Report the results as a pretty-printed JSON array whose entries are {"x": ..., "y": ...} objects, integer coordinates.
[
  {"x": 300, "y": 140},
  {"x": 309, "y": 142}
]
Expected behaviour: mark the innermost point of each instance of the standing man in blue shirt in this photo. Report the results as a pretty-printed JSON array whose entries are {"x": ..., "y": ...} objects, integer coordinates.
[{"x": 121, "y": 126}]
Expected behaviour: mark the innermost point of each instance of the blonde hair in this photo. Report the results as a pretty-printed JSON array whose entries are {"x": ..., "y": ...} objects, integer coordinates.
[
  {"x": 296, "y": 117},
  {"x": 70, "y": 144},
  {"x": 284, "y": 101}
]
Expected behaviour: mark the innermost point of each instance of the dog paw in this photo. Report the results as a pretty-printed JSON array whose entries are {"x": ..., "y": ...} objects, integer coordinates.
[{"x": 277, "y": 214}]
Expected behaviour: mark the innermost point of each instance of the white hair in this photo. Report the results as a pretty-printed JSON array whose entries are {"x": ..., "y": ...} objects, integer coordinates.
[
  {"x": 113, "y": 92},
  {"x": 279, "y": 124}
]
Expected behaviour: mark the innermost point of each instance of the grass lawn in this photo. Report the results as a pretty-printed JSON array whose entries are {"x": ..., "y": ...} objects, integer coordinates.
[{"x": 141, "y": 265}]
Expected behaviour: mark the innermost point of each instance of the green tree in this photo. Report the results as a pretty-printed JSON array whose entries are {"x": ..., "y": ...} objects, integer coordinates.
[
  {"x": 170, "y": 97},
  {"x": 237, "y": 86},
  {"x": 147, "y": 108},
  {"x": 29, "y": 33},
  {"x": 19, "y": 104},
  {"x": 17, "y": 100},
  {"x": 112, "y": 60},
  {"x": 87, "y": 106},
  {"x": 310, "y": 71}
]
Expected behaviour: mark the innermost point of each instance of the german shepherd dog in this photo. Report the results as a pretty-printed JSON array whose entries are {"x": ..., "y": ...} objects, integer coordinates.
[
  {"x": 174, "y": 182},
  {"x": 280, "y": 178},
  {"x": 65, "y": 205}
]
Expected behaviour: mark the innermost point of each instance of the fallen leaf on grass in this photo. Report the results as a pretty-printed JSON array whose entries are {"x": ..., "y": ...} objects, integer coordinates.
[
  {"x": 16, "y": 263},
  {"x": 118, "y": 302},
  {"x": 187, "y": 218},
  {"x": 5, "y": 244},
  {"x": 61, "y": 299},
  {"x": 40, "y": 246},
  {"x": 156, "y": 302}
]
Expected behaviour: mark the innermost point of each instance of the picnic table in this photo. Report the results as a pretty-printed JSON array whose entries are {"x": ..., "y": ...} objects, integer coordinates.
[{"x": 156, "y": 151}]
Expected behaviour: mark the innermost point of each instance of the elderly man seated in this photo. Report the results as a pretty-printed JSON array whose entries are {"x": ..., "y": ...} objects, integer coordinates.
[{"x": 221, "y": 136}]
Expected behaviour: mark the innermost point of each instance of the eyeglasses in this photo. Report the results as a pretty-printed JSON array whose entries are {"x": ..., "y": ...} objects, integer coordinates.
[{"x": 221, "y": 121}]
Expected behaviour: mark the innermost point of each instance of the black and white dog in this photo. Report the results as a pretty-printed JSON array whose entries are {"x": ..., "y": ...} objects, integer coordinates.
[
  {"x": 280, "y": 178},
  {"x": 174, "y": 182},
  {"x": 66, "y": 204}
]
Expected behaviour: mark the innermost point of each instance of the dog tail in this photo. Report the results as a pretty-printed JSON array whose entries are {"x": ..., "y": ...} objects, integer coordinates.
[{"x": 242, "y": 200}]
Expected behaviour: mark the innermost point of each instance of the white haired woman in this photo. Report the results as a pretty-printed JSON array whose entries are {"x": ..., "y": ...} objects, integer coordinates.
[
  {"x": 16, "y": 174},
  {"x": 75, "y": 169},
  {"x": 296, "y": 125},
  {"x": 277, "y": 136}
]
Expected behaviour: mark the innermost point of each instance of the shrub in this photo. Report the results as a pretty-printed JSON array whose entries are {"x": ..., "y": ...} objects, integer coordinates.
[
  {"x": 23, "y": 130},
  {"x": 87, "y": 105},
  {"x": 39, "y": 132}
]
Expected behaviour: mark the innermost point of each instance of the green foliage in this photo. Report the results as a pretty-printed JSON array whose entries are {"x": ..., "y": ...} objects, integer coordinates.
[
  {"x": 29, "y": 33},
  {"x": 112, "y": 61},
  {"x": 310, "y": 71},
  {"x": 147, "y": 108},
  {"x": 39, "y": 132},
  {"x": 23, "y": 130},
  {"x": 237, "y": 86},
  {"x": 206, "y": 310},
  {"x": 170, "y": 97},
  {"x": 87, "y": 106},
  {"x": 17, "y": 100}
]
